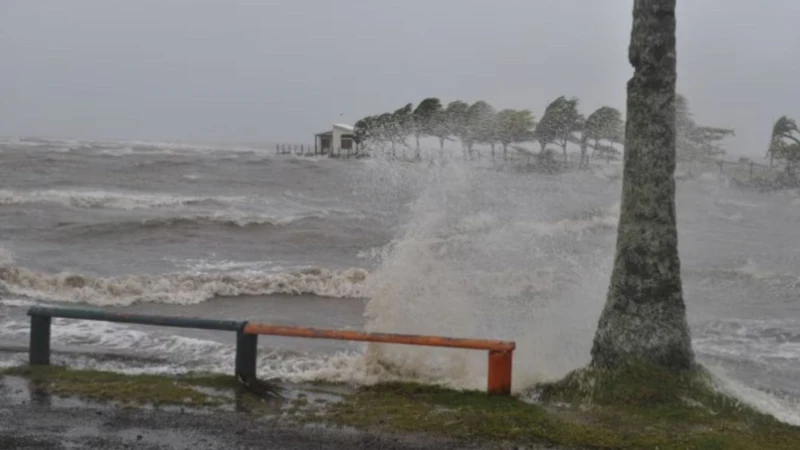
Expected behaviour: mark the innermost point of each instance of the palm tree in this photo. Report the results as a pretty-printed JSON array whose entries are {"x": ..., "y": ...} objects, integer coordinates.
[
  {"x": 784, "y": 128},
  {"x": 644, "y": 320}
]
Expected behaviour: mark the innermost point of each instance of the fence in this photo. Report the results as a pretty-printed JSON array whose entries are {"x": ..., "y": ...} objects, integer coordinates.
[
  {"x": 311, "y": 150},
  {"x": 500, "y": 352}
]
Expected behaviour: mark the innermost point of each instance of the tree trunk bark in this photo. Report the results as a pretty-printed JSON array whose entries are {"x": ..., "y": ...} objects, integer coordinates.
[
  {"x": 644, "y": 320},
  {"x": 584, "y": 158}
]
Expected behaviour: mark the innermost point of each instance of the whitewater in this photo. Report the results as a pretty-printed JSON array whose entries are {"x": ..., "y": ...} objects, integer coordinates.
[{"x": 467, "y": 249}]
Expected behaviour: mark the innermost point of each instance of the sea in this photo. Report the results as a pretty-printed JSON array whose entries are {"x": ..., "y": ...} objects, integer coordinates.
[{"x": 482, "y": 248}]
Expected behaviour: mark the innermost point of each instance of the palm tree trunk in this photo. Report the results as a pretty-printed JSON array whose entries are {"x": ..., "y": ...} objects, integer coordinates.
[{"x": 644, "y": 319}]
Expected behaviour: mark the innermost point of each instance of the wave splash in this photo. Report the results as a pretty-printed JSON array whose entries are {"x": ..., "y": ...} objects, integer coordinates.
[{"x": 490, "y": 256}]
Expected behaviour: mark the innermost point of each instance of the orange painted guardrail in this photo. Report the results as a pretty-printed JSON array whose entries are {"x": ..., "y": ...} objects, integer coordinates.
[{"x": 500, "y": 352}]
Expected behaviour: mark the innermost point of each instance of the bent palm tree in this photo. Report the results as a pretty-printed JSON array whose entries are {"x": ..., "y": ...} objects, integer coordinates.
[{"x": 784, "y": 128}]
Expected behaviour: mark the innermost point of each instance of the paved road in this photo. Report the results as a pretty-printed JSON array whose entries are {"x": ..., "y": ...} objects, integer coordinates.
[{"x": 42, "y": 427}]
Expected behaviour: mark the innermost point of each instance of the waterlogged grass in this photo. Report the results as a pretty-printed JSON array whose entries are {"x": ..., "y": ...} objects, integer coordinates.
[
  {"x": 631, "y": 409},
  {"x": 128, "y": 389},
  {"x": 193, "y": 390}
]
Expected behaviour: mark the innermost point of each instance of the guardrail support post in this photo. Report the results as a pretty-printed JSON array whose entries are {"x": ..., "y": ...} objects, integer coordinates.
[
  {"x": 500, "y": 372},
  {"x": 39, "y": 351},
  {"x": 246, "y": 353}
]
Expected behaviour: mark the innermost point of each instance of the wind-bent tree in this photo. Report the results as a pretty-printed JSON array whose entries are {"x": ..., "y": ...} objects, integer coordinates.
[
  {"x": 512, "y": 126},
  {"x": 790, "y": 153},
  {"x": 695, "y": 142},
  {"x": 394, "y": 128},
  {"x": 383, "y": 126},
  {"x": 560, "y": 122},
  {"x": 783, "y": 129},
  {"x": 424, "y": 117},
  {"x": 480, "y": 122},
  {"x": 457, "y": 123},
  {"x": 605, "y": 123},
  {"x": 365, "y": 132},
  {"x": 402, "y": 125},
  {"x": 545, "y": 132},
  {"x": 644, "y": 319},
  {"x": 440, "y": 128}
]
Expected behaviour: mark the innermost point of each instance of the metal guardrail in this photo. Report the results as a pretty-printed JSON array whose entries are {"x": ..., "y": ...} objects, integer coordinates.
[{"x": 500, "y": 352}]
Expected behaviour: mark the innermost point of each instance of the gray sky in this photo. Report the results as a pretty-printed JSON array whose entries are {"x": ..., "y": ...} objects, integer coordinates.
[{"x": 238, "y": 70}]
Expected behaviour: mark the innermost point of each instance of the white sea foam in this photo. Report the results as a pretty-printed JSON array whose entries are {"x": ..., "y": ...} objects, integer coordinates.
[
  {"x": 181, "y": 288},
  {"x": 726, "y": 201},
  {"x": 18, "y": 302},
  {"x": 771, "y": 342},
  {"x": 783, "y": 409},
  {"x": 6, "y": 257},
  {"x": 234, "y": 217},
  {"x": 103, "y": 199}
]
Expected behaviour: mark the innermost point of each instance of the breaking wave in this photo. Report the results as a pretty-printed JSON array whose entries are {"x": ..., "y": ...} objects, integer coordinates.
[
  {"x": 103, "y": 199},
  {"x": 181, "y": 288},
  {"x": 749, "y": 270},
  {"x": 772, "y": 342},
  {"x": 230, "y": 218}
]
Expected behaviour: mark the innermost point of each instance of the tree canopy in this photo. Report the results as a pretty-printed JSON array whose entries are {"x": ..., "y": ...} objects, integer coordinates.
[
  {"x": 479, "y": 123},
  {"x": 425, "y": 119},
  {"x": 512, "y": 126},
  {"x": 560, "y": 122},
  {"x": 604, "y": 124},
  {"x": 695, "y": 142},
  {"x": 783, "y": 144}
]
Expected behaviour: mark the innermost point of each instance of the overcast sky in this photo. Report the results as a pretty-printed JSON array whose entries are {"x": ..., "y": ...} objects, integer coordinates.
[{"x": 238, "y": 70}]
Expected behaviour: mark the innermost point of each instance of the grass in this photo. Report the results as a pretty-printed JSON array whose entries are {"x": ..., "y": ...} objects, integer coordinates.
[
  {"x": 128, "y": 389},
  {"x": 631, "y": 409}
]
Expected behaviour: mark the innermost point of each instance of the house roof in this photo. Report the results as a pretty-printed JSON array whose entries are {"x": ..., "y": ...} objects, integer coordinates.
[
  {"x": 345, "y": 127},
  {"x": 348, "y": 129}
]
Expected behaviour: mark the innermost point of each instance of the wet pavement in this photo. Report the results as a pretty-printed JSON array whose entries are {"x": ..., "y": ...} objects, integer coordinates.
[{"x": 31, "y": 419}]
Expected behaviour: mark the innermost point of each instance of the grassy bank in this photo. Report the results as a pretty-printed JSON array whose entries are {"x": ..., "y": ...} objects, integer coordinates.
[{"x": 586, "y": 410}]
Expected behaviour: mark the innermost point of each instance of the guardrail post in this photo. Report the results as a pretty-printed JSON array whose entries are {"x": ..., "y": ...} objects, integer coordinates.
[
  {"x": 499, "y": 372},
  {"x": 39, "y": 351},
  {"x": 246, "y": 353}
]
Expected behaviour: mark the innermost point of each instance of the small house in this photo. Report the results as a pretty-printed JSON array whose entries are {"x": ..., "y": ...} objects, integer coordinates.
[{"x": 340, "y": 137}]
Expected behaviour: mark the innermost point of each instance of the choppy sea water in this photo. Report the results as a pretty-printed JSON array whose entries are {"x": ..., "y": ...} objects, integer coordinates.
[{"x": 476, "y": 249}]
